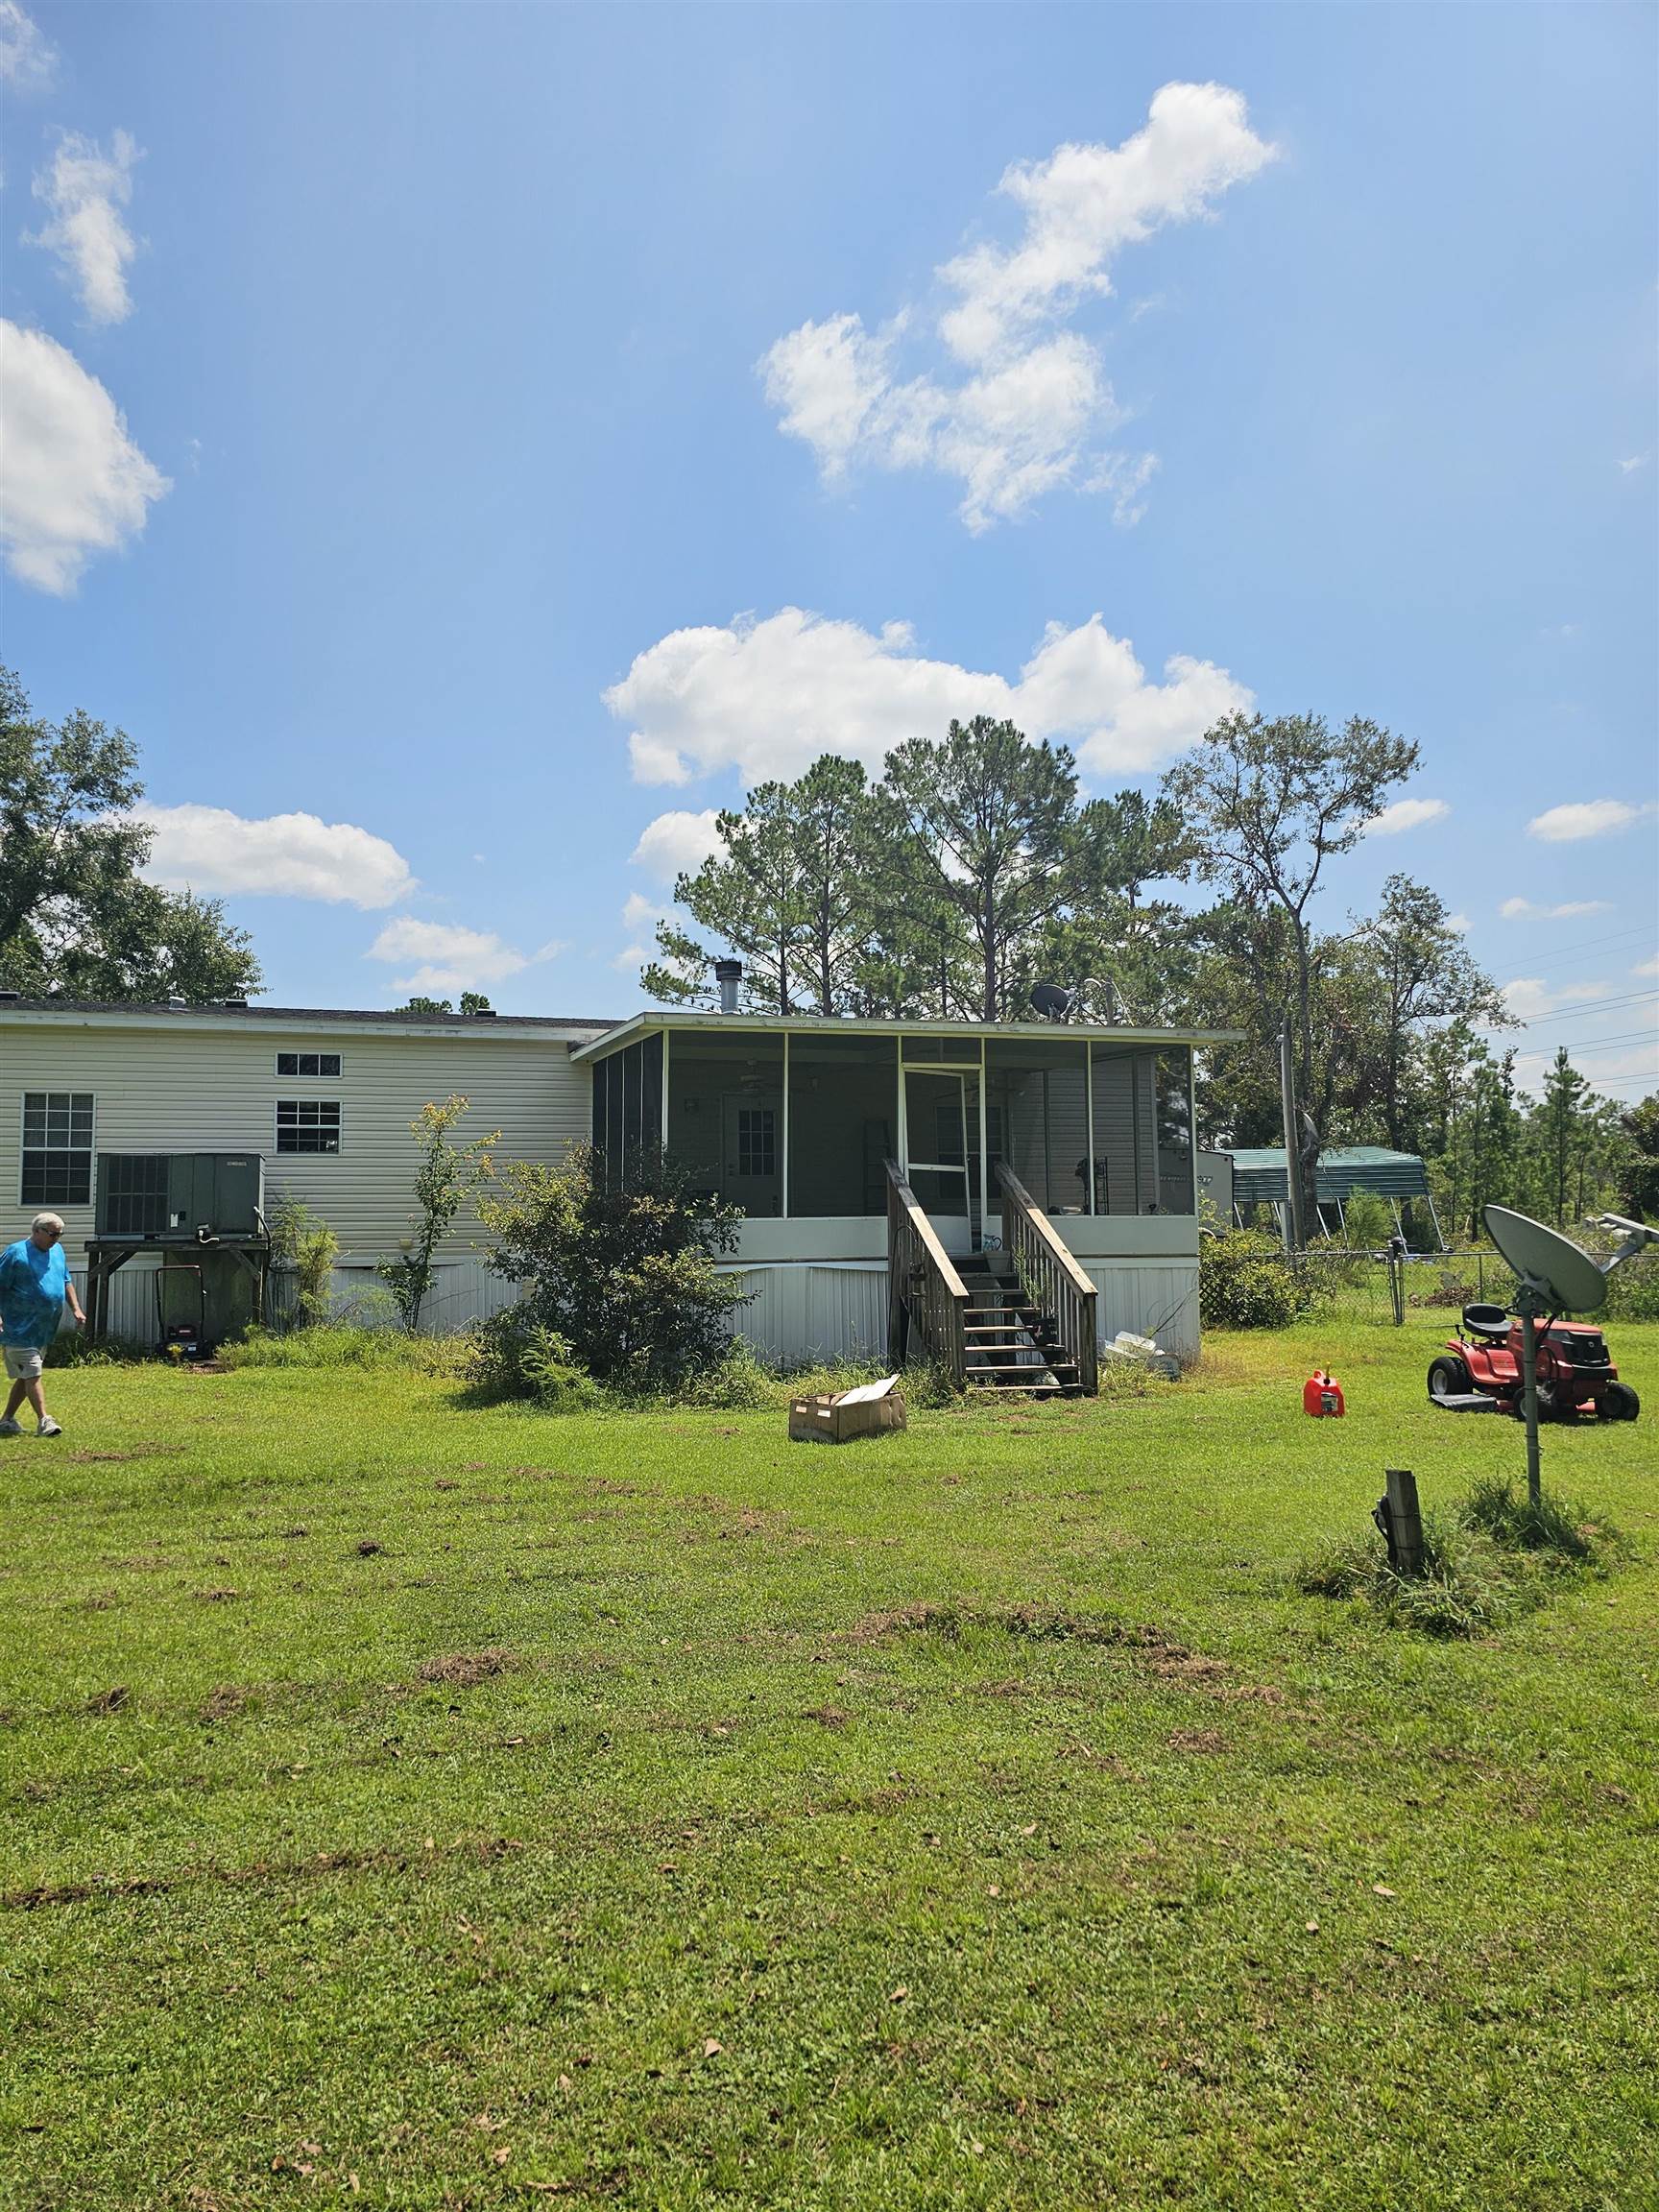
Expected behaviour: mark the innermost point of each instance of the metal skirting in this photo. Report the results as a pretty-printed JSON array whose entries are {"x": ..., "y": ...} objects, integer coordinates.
[
  {"x": 801, "y": 1310},
  {"x": 466, "y": 1291},
  {"x": 1160, "y": 1302}
]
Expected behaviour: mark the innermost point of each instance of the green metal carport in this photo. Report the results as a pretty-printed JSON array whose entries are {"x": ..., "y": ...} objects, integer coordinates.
[{"x": 1259, "y": 1179}]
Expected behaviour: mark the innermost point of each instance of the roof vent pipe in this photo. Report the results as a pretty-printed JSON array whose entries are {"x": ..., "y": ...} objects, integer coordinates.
[{"x": 728, "y": 974}]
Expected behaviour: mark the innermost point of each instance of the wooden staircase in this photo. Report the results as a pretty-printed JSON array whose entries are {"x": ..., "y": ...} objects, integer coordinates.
[
  {"x": 1008, "y": 1344},
  {"x": 978, "y": 1317}
]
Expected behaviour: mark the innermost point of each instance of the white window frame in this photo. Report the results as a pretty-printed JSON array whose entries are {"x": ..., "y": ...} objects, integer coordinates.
[
  {"x": 23, "y": 1149},
  {"x": 295, "y": 1152}
]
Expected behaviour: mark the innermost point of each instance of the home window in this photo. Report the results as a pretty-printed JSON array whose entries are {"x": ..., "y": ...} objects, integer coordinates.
[
  {"x": 308, "y": 1125},
  {"x": 308, "y": 1062},
  {"x": 57, "y": 1148},
  {"x": 756, "y": 1140}
]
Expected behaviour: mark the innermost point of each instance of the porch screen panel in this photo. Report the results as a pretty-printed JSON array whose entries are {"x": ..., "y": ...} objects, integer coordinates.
[
  {"x": 650, "y": 1050},
  {"x": 627, "y": 1110},
  {"x": 616, "y": 1121},
  {"x": 1126, "y": 1129},
  {"x": 1038, "y": 1097},
  {"x": 843, "y": 1100},
  {"x": 1121, "y": 1095},
  {"x": 726, "y": 1115},
  {"x": 1172, "y": 1109}
]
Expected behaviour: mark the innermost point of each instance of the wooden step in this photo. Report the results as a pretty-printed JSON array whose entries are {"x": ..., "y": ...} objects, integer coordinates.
[
  {"x": 1023, "y": 1367},
  {"x": 999, "y": 1390}
]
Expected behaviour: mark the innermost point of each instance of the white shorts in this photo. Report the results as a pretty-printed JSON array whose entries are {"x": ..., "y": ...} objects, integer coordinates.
[{"x": 23, "y": 1362}]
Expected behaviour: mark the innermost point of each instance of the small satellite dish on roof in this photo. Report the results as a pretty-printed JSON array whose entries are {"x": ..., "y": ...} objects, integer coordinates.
[
  {"x": 1050, "y": 1001},
  {"x": 1564, "y": 1276}
]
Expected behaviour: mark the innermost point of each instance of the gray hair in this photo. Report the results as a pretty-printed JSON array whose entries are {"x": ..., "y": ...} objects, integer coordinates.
[{"x": 47, "y": 1221}]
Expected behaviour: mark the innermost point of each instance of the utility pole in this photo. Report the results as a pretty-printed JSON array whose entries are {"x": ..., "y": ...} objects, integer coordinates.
[{"x": 1298, "y": 1237}]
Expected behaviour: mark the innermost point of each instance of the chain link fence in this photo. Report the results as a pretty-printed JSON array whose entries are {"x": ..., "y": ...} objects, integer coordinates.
[{"x": 1388, "y": 1290}]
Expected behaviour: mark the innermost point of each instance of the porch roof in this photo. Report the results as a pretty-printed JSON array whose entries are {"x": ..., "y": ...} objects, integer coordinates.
[{"x": 639, "y": 1025}]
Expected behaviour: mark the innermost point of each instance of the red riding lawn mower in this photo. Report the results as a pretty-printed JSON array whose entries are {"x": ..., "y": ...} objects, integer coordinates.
[{"x": 1480, "y": 1370}]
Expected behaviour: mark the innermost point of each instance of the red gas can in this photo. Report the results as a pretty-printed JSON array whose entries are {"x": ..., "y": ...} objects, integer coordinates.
[{"x": 1322, "y": 1396}]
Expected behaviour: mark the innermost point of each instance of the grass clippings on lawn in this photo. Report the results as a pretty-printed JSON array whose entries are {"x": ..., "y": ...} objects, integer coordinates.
[{"x": 641, "y": 1810}]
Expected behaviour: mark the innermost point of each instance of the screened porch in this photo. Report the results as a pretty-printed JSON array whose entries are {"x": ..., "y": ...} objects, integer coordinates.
[{"x": 796, "y": 1120}]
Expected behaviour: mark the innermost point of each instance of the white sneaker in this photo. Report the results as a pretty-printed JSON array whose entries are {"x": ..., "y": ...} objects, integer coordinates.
[
  {"x": 11, "y": 1428},
  {"x": 48, "y": 1428}
]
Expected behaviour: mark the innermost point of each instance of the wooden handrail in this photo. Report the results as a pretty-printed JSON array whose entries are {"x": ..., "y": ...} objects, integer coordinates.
[
  {"x": 921, "y": 1284},
  {"x": 1051, "y": 1275}
]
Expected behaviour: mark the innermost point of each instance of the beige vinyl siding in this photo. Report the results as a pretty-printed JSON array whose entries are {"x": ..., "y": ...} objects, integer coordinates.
[{"x": 172, "y": 1087}]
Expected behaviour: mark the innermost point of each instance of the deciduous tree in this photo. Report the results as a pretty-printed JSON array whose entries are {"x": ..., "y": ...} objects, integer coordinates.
[
  {"x": 1268, "y": 805},
  {"x": 76, "y": 914}
]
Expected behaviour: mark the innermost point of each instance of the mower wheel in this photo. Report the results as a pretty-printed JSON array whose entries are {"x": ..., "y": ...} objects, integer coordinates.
[
  {"x": 1619, "y": 1403},
  {"x": 1450, "y": 1379}
]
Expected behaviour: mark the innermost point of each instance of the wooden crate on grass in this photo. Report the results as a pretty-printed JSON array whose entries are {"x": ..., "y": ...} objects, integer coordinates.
[{"x": 873, "y": 1409}]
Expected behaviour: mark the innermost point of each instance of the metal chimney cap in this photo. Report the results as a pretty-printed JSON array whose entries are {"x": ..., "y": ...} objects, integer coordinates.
[{"x": 728, "y": 971}]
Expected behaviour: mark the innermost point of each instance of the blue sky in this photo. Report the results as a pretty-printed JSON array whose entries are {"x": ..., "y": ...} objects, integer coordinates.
[{"x": 414, "y": 406}]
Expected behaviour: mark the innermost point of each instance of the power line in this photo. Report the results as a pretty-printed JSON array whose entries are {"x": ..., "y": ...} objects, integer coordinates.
[
  {"x": 1585, "y": 945},
  {"x": 1577, "y": 1009},
  {"x": 1601, "y": 1044}
]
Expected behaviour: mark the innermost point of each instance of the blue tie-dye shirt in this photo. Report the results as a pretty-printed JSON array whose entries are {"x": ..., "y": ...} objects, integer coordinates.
[{"x": 33, "y": 1287}]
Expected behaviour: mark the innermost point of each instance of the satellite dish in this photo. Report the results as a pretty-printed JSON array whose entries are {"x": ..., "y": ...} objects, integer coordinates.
[
  {"x": 1560, "y": 1274},
  {"x": 1552, "y": 1276},
  {"x": 1050, "y": 1001}
]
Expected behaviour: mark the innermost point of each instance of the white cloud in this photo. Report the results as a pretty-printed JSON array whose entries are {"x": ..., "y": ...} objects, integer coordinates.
[
  {"x": 85, "y": 191},
  {"x": 1631, "y": 462},
  {"x": 72, "y": 482},
  {"x": 1524, "y": 909},
  {"x": 1014, "y": 407},
  {"x": 1528, "y": 996},
  {"x": 210, "y": 849},
  {"x": 1584, "y": 818},
  {"x": 1646, "y": 967},
  {"x": 449, "y": 959},
  {"x": 830, "y": 381},
  {"x": 1085, "y": 204},
  {"x": 676, "y": 841},
  {"x": 640, "y": 918},
  {"x": 766, "y": 697},
  {"x": 28, "y": 60},
  {"x": 1457, "y": 923},
  {"x": 1406, "y": 814},
  {"x": 1020, "y": 430}
]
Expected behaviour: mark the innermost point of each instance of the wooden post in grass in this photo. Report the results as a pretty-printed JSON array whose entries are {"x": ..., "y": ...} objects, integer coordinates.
[{"x": 1404, "y": 1531}]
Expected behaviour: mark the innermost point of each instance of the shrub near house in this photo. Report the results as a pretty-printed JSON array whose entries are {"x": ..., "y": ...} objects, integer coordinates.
[{"x": 622, "y": 1279}]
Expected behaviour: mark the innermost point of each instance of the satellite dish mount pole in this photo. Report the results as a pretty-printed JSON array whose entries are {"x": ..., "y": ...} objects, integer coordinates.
[{"x": 1530, "y": 1300}]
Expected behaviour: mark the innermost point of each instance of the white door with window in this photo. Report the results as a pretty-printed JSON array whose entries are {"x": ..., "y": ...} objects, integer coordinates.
[
  {"x": 942, "y": 1161},
  {"x": 750, "y": 1166}
]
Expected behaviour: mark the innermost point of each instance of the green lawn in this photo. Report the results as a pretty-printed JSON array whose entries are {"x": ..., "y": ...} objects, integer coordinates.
[{"x": 415, "y": 1807}]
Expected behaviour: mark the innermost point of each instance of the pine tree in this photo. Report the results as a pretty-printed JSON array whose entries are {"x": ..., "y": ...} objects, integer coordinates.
[{"x": 991, "y": 820}]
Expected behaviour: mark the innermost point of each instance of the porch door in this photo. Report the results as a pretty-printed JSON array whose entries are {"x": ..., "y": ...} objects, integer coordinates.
[
  {"x": 942, "y": 1143},
  {"x": 752, "y": 1152}
]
